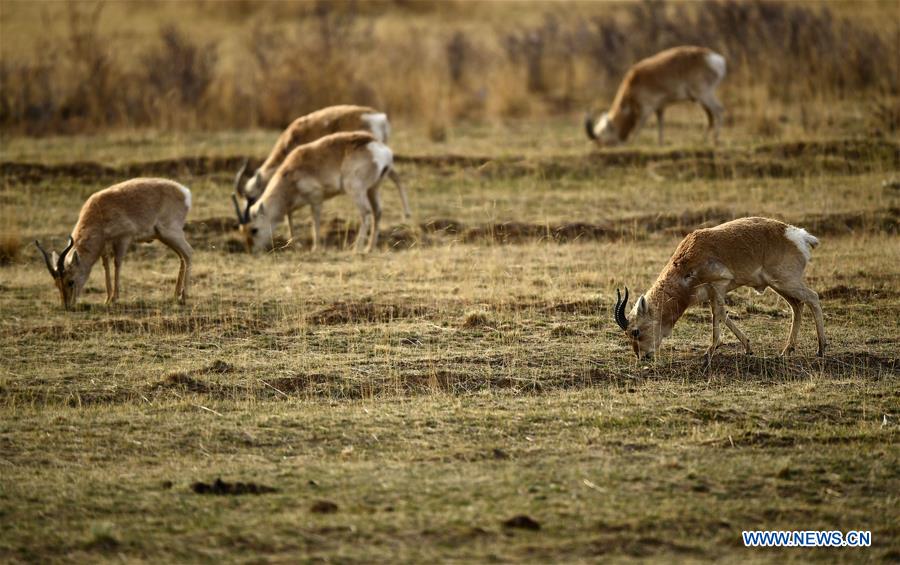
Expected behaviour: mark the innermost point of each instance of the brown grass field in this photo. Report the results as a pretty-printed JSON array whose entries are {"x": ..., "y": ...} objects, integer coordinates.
[{"x": 403, "y": 406}]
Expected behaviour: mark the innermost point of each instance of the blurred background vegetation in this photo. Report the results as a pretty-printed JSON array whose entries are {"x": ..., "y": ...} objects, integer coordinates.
[{"x": 80, "y": 67}]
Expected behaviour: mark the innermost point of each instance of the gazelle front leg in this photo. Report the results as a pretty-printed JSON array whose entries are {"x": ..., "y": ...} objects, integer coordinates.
[
  {"x": 316, "y": 210},
  {"x": 120, "y": 247},
  {"x": 716, "y": 331},
  {"x": 290, "y": 222},
  {"x": 659, "y": 124},
  {"x": 717, "y": 306}
]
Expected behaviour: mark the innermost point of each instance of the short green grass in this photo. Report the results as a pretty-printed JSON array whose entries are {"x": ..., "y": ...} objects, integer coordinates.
[{"x": 443, "y": 385}]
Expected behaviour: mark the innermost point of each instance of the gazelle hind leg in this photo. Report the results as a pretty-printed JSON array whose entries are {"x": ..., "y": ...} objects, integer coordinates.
[
  {"x": 176, "y": 242},
  {"x": 375, "y": 203},
  {"x": 801, "y": 295},
  {"x": 395, "y": 178},
  {"x": 361, "y": 199},
  {"x": 812, "y": 300},
  {"x": 106, "y": 273},
  {"x": 796, "y": 317},
  {"x": 714, "y": 111}
]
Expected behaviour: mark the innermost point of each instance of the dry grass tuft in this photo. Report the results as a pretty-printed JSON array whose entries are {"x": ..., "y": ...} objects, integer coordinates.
[
  {"x": 477, "y": 319},
  {"x": 10, "y": 248}
]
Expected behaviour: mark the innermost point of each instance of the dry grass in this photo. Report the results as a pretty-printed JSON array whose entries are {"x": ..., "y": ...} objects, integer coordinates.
[
  {"x": 201, "y": 65},
  {"x": 405, "y": 405},
  {"x": 462, "y": 393}
]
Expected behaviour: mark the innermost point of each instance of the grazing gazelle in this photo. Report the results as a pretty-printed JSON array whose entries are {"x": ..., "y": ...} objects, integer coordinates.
[
  {"x": 135, "y": 210},
  {"x": 351, "y": 163},
  {"x": 308, "y": 128},
  {"x": 673, "y": 75},
  {"x": 754, "y": 252}
]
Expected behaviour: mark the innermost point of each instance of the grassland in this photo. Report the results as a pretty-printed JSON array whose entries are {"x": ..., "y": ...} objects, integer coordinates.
[{"x": 467, "y": 372}]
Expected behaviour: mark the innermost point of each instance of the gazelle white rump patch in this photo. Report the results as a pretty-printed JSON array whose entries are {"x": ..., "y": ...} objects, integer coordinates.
[
  {"x": 381, "y": 155},
  {"x": 187, "y": 195},
  {"x": 802, "y": 239},
  {"x": 717, "y": 63},
  {"x": 379, "y": 125}
]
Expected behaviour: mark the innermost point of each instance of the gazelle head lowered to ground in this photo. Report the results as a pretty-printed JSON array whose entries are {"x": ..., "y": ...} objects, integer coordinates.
[
  {"x": 351, "y": 163},
  {"x": 252, "y": 229},
  {"x": 136, "y": 210},
  {"x": 309, "y": 128},
  {"x": 69, "y": 277},
  {"x": 756, "y": 252},
  {"x": 643, "y": 329},
  {"x": 674, "y": 75}
]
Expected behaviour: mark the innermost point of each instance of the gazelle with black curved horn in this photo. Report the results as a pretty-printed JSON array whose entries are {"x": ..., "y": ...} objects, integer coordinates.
[
  {"x": 56, "y": 264},
  {"x": 110, "y": 220},
  {"x": 243, "y": 218},
  {"x": 757, "y": 252},
  {"x": 619, "y": 311},
  {"x": 309, "y": 128}
]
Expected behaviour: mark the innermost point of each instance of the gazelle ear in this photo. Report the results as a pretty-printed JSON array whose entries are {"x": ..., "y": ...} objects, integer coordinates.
[
  {"x": 261, "y": 211},
  {"x": 641, "y": 305},
  {"x": 75, "y": 258}
]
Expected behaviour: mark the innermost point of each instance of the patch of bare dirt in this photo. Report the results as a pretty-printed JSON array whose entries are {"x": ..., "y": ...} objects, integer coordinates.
[
  {"x": 444, "y": 161},
  {"x": 24, "y": 172},
  {"x": 850, "y": 149},
  {"x": 443, "y": 225},
  {"x": 183, "y": 381},
  {"x": 311, "y": 383},
  {"x": 522, "y": 522},
  {"x": 167, "y": 325},
  {"x": 513, "y": 232},
  {"x": 798, "y": 367},
  {"x": 323, "y": 507},
  {"x": 843, "y": 155},
  {"x": 340, "y": 233},
  {"x": 877, "y": 221},
  {"x": 843, "y": 292},
  {"x": 223, "y": 488},
  {"x": 758, "y": 168},
  {"x": 192, "y": 381}
]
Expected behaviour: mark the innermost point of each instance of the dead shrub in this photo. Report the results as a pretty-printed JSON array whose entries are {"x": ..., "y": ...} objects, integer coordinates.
[
  {"x": 177, "y": 75},
  {"x": 297, "y": 58},
  {"x": 10, "y": 247}
]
